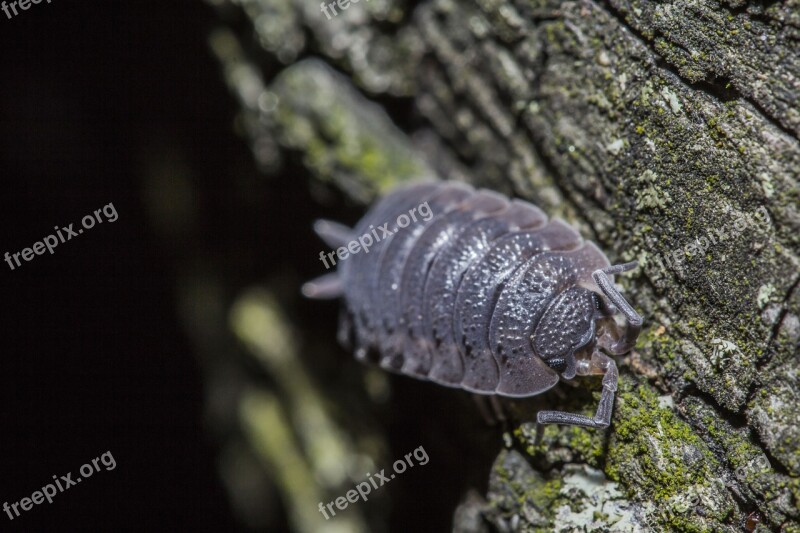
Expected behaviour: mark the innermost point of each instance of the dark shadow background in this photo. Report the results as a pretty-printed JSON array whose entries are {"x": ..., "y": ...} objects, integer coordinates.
[{"x": 94, "y": 359}]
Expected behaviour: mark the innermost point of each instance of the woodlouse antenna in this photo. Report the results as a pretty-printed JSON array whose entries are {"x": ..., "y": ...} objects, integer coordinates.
[{"x": 633, "y": 325}]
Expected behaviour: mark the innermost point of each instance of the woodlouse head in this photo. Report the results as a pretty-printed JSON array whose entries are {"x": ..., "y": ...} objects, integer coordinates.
[{"x": 567, "y": 328}]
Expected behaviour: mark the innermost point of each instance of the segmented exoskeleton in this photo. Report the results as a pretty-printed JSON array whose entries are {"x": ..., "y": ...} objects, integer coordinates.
[{"x": 486, "y": 295}]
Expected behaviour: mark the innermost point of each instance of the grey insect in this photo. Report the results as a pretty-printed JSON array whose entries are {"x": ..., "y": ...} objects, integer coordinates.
[{"x": 486, "y": 295}]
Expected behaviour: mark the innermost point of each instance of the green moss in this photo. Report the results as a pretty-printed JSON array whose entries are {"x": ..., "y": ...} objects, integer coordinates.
[
  {"x": 670, "y": 459},
  {"x": 343, "y": 137},
  {"x": 516, "y": 489}
]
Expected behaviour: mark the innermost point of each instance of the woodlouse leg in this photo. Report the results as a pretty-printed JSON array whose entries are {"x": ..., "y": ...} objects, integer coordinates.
[
  {"x": 344, "y": 333},
  {"x": 600, "y": 363},
  {"x": 499, "y": 412},
  {"x": 633, "y": 321},
  {"x": 483, "y": 407}
]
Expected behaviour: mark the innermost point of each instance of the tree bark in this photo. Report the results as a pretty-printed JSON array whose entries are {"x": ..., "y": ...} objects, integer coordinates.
[{"x": 667, "y": 132}]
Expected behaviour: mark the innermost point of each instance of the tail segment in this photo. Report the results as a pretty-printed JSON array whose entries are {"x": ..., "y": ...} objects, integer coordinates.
[
  {"x": 328, "y": 286},
  {"x": 325, "y": 287},
  {"x": 333, "y": 233}
]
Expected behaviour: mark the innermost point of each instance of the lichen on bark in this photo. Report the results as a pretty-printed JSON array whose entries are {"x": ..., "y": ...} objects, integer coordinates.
[{"x": 650, "y": 126}]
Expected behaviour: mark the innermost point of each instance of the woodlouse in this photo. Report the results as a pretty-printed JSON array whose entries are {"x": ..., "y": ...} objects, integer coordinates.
[{"x": 486, "y": 295}]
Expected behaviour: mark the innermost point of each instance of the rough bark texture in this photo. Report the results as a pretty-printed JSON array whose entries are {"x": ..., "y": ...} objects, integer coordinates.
[{"x": 665, "y": 131}]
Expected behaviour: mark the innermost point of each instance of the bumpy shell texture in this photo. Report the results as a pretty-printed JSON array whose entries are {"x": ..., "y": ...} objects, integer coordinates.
[{"x": 486, "y": 294}]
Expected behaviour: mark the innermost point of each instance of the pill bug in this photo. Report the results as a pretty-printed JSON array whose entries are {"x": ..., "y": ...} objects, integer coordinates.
[{"x": 485, "y": 294}]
